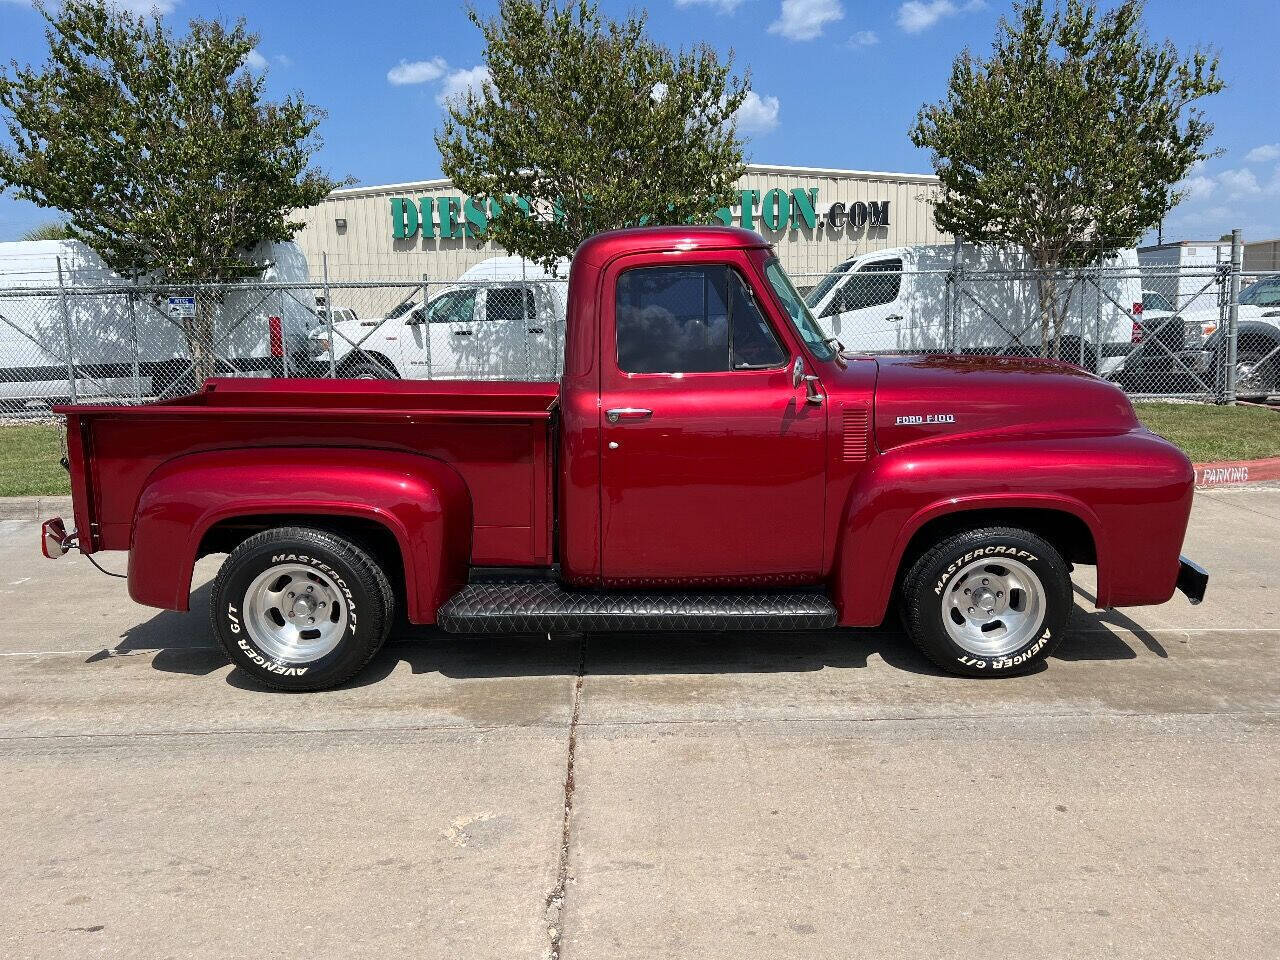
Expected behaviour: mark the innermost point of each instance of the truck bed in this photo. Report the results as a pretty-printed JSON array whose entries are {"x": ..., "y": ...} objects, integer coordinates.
[{"x": 496, "y": 434}]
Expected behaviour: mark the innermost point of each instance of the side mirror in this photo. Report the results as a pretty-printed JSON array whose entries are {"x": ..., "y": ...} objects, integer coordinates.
[{"x": 797, "y": 373}]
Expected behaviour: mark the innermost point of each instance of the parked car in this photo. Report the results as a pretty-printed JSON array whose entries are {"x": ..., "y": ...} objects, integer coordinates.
[
  {"x": 1190, "y": 351},
  {"x": 898, "y": 301},
  {"x": 126, "y": 345},
  {"x": 708, "y": 461},
  {"x": 502, "y": 319}
]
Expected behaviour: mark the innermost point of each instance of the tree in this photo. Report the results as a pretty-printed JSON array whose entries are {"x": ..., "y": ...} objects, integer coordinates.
[
  {"x": 1068, "y": 141},
  {"x": 49, "y": 231},
  {"x": 162, "y": 149},
  {"x": 593, "y": 126}
]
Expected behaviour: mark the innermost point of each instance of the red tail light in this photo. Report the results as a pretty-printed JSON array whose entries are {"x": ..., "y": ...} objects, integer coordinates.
[
  {"x": 1137, "y": 309},
  {"x": 277, "y": 336},
  {"x": 1136, "y": 335}
]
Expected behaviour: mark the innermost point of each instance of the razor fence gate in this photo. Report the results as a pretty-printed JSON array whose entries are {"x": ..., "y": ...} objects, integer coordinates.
[{"x": 1208, "y": 334}]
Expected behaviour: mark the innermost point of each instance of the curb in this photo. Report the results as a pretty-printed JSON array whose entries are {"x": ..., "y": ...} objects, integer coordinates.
[
  {"x": 1231, "y": 472},
  {"x": 34, "y": 508}
]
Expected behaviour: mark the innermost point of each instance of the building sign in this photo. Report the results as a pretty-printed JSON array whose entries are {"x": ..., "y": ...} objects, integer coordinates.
[{"x": 776, "y": 211}]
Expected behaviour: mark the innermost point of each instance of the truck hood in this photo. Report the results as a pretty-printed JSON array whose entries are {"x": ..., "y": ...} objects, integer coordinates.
[{"x": 922, "y": 398}]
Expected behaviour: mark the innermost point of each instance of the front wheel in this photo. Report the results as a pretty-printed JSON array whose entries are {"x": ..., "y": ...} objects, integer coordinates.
[
  {"x": 987, "y": 602},
  {"x": 300, "y": 608}
]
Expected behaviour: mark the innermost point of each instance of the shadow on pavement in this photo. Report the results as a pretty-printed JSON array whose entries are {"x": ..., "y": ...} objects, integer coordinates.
[{"x": 184, "y": 644}]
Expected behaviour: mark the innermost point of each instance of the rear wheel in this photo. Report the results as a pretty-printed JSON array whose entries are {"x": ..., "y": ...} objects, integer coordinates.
[
  {"x": 986, "y": 602},
  {"x": 300, "y": 608}
]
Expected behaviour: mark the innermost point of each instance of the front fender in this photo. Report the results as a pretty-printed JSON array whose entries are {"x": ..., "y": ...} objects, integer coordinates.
[
  {"x": 423, "y": 502},
  {"x": 1132, "y": 490}
]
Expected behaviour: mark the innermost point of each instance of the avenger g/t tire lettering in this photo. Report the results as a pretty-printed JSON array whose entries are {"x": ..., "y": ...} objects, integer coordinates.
[
  {"x": 987, "y": 602},
  {"x": 300, "y": 608}
]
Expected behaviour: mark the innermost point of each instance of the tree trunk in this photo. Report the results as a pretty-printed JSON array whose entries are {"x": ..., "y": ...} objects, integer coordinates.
[
  {"x": 199, "y": 330},
  {"x": 1047, "y": 290}
]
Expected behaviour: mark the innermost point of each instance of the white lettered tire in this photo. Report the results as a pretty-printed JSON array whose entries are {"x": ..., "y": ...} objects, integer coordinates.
[
  {"x": 299, "y": 608},
  {"x": 988, "y": 602}
]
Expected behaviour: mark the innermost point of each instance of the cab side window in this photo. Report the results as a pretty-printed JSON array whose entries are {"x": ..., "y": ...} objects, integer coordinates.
[
  {"x": 873, "y": 285},
  {"x": 697, "y": 319},
  {"x": 505, "y": 305},
  {"x": 458, "y": 306}
]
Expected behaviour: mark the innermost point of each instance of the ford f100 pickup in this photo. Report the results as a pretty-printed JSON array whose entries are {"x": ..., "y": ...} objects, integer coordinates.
[{"x": 708, "y": 461}]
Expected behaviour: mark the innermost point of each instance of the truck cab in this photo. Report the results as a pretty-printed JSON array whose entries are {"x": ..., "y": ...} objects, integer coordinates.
[{"x": 708, "y": 461}]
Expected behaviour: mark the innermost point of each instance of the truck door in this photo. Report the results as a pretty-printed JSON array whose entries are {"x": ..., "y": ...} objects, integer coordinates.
[
  {"x": 434, "y": 349},
  {"x": 713, "y": 468},
  {"x": 505, "y": 332},
  {"x": 865, "y": 312}
]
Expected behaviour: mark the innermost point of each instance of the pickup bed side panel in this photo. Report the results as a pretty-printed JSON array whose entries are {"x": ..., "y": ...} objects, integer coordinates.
[
  {"x": 1132, "y": 490},
  {"x": 422, "y": 501}
]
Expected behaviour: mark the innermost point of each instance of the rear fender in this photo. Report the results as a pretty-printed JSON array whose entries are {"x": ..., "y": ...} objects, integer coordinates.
[{"x": 423, "y": 502}]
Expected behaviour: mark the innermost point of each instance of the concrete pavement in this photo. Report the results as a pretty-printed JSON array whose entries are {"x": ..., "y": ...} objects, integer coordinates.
[{"x": 782, "y": 796}]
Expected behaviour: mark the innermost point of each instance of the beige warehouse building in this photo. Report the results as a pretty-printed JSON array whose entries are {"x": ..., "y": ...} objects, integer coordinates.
[{"x": 814, "y": 216}]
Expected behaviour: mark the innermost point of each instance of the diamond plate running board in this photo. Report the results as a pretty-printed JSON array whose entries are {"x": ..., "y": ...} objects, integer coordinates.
[{"x": 538, "y": 606}]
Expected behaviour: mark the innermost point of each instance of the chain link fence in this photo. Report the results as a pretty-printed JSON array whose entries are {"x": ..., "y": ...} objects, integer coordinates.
[{"x": 1208, "y": 333}]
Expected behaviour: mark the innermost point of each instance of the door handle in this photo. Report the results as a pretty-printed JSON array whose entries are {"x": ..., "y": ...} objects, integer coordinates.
[
  {"x": 894, "y": 316},
  {"x": 462, "y": 333},
  {"x": 535, "y": 329},
  {"x": 627, "y": 413}
]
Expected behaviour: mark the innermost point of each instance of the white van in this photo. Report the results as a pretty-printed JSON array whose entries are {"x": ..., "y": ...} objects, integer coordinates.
[
  {"x": 124, "y": 345},
  {"x": 501, "y": 320},
  {"x": 898, "y": 301}
]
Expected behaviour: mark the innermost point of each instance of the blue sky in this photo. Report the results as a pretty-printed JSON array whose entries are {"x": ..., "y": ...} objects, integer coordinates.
[{"x": 837, "y": 83}]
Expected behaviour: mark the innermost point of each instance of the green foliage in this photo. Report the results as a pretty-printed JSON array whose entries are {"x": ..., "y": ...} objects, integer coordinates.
[
  {"x": 1068, "y": 141},
  {"x": 161, "y": 148},
  {"x": 597, "y": 125},
  {"x": 49, "y": 231}
]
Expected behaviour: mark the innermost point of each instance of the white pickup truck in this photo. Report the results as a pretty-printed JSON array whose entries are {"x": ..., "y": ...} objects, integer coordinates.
[{"x": 501, "y": 320}]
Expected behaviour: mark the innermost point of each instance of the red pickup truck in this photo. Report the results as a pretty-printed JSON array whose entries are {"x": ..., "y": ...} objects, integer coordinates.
[{"x": 709, "y": 461}]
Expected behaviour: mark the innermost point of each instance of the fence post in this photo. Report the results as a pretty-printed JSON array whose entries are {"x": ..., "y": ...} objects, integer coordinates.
[
  {"x": 328, "y": 314},
  {"x": 137, "y": 347},
  {"x": 1233, "y": 315},
  {"x": 66, "y": 334},
  {"x": 953, "y": 300},
  {"x": 426, "y": 322}
]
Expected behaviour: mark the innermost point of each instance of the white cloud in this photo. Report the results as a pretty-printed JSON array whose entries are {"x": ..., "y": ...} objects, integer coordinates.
[
  {"x": 1263, "y": 154},
  {"x": 1198, "y": 187},
  {"x": 255, "y": 61},
  {"x": 916, "y": 15},
  {"x": 283, "y": 59},
  {"x": 1239, "y": 183},
  {"x": 758, "y": 114},
  {"x": 724, "y": 6},
  {"x": 460, "y": 83},
  {"x": 806, "y": 19},
  {"x": 417, "y": 71},
  {"x": 863, "y": 38}
]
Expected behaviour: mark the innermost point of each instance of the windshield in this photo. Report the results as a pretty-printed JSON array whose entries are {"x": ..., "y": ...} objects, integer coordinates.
[
  {"x": 801, "y": 318},
  {"x": 1264, "y": 293},
  {"x": 814, "y": 296}
]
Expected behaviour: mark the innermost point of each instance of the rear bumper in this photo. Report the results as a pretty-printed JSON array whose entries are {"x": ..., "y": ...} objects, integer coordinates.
[{"x": 1193, "y": 579}]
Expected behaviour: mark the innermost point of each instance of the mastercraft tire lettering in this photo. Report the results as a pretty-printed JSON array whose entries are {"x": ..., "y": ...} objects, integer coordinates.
[
  {"x": 988, "y": 602},
  {"x": 300, "y": 608}
]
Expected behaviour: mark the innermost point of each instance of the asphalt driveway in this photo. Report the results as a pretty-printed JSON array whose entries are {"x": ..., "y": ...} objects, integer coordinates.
[{"x": 762, "y": 795}]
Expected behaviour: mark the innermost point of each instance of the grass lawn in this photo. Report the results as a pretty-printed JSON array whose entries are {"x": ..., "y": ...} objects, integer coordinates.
[
  {"x": 29, "y": 453},
  {"x": 1208, "y": 432}
]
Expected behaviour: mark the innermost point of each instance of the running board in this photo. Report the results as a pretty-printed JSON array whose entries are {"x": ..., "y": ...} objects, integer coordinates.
[{"x": 538, "y": 606}]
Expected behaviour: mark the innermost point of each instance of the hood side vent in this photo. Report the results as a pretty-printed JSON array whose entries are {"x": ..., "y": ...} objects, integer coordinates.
[{"x": 854, "y": 440}]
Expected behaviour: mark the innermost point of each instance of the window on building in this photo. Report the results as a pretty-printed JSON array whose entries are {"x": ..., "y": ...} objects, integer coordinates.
[{"x": 691, "y": 320}]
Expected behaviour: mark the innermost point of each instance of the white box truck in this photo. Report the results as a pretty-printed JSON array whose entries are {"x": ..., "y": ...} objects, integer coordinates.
[
  {"x": 898, "y": 300},
  {"x": 125, "y": 343}
]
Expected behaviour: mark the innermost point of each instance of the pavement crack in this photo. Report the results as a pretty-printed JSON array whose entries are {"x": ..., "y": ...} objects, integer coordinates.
[{"x": 555, "y": 903}]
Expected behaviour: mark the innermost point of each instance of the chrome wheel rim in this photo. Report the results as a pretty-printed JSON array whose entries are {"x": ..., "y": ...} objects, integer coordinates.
[
  {"x": 295, "y": 613},
  {"x": 993, "y": 607}
]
